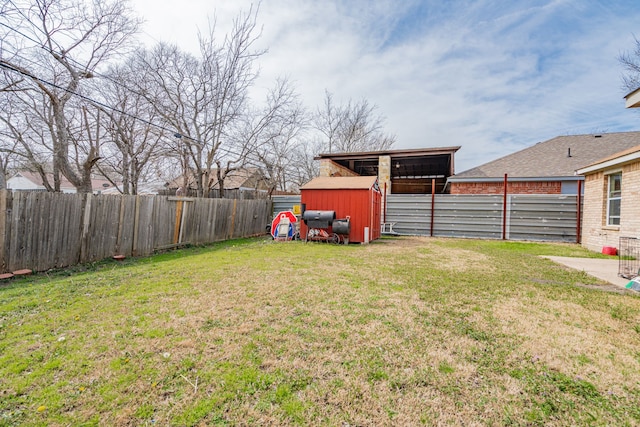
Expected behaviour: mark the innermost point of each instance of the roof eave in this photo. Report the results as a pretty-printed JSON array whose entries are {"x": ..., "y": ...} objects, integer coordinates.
[
  {"x": 633, "y": 99},
  {"x": 453, "y": 179},
  {"x": 414, "y": 152},
  {"x": 619, "y": 161}
]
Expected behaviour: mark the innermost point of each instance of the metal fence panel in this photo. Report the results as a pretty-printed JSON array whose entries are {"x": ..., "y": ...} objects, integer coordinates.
[
  {"x": 470, "y": 216},
  {"x": 529, "y": 217},
  {"x": 454, "y": 215},
  {"x": 542, "y": 217},
  {"x": 284, "y": 203}
]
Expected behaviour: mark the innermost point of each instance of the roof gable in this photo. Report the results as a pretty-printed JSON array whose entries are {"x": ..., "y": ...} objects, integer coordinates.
[
  {"x": 633, "y": 99},
  {"x": 618, "y": 159},
  {"x": 558, "y": 157}
]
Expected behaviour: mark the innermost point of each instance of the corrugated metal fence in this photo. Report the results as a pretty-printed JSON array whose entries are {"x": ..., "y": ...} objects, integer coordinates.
[
  {"x": 40, "y": 230},
  {"x": 529, "y": 217},
  {"x": 284, "y": 203}
]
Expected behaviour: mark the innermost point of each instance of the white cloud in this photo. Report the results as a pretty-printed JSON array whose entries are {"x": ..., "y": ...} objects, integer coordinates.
[{"x": 493, "y": 77}]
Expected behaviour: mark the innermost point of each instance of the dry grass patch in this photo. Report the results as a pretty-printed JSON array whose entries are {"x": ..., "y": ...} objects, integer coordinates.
[
  {"x": 582, "y": 342},
  {"x": 411, "y": 331}
]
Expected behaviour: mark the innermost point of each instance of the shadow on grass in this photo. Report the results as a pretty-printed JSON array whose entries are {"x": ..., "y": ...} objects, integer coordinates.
[{"x": 111, "y": 264}]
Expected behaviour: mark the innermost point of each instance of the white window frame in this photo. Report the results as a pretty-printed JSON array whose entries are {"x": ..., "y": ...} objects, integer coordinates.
[{"x": 611, "y": 198}]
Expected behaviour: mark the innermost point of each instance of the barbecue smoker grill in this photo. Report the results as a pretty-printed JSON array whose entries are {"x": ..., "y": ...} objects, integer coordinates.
[{"x": 319, "y": 223}]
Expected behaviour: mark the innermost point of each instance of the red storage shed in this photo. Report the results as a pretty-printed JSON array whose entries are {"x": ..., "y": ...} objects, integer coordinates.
[{"x": 357, "y": 197}]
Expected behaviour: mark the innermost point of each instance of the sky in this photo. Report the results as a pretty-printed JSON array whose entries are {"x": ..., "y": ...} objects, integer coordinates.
[{"x": 491, "y": 76}]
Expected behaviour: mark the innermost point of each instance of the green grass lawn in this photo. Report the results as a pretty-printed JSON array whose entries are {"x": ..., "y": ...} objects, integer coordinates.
[{"x": 404, "y": 331}]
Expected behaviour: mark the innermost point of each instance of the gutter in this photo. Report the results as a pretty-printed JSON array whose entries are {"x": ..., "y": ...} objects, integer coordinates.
[{"x": 453, "y": 179}]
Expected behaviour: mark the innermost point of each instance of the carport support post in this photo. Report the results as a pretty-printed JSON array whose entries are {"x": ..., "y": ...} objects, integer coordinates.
[
  {"x": 384, "y": 206},
  {"x": 504, "y": 210}
]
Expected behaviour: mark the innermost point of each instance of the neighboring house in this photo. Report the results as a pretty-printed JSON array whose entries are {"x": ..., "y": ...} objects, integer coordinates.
[
  {"x": 245, "y": 179},
  {"x": 31, "y": 181},
  {"x": 632, "y": 99},
  {"x": 399, "y": 171},
  {"x": 548, "y": 167},
  {"x": 611, "y": 199},
  {"x": 143, "y": 189}
]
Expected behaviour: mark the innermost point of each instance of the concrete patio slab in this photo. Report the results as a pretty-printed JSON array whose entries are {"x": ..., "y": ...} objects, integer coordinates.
[{"x": 605, "y": 269}]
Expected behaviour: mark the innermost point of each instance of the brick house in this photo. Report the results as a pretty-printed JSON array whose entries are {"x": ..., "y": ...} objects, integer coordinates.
[
  {"x": 547, "y": 167},
  {"x": 611, "y": 199}
]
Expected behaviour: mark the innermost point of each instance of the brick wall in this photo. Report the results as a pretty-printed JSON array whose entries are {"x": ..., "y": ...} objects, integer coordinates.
[
  {"x": 523, "y": 187},
  {"x": 595, "y": 232}
]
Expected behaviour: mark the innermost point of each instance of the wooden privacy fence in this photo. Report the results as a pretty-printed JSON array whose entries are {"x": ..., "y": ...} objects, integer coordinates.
[{"x": 41, "y": 231}]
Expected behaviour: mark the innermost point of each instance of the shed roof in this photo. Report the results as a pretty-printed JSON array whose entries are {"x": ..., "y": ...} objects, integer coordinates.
[
  {"x": 340, "y": 183},
  {"x": 558, "y": 157}
]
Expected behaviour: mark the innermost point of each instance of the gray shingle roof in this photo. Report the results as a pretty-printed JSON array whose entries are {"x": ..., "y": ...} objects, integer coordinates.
[{"x": 550, "y": 158}]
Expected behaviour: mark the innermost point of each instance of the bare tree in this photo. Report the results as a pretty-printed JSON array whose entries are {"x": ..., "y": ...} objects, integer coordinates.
[
  {"x": 630, "y": 61},
  {"x": 272, "y": 133},
  {"x": 134, "y": 142},
  {"x": 205, "y": 98},
  {"x": 304, "y": 166},
  {"x": 55, "y": 45},
  {"x": 25, "y": 133},
  {"x": 354, "y": 126}
]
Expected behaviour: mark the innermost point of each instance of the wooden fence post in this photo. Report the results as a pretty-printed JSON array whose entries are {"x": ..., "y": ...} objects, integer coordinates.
[
  {"x": 233, "y": 218},
  {"x": 120, "y": 225},
  {"x": 136, "y": 224},
  {"x": 177, "y": 228},
  {"x": 86, "y": 219},
  {"x": 4, "y": 195}
]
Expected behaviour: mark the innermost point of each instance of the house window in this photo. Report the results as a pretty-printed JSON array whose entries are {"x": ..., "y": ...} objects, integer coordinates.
[{"x": 614, "y": 196}]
